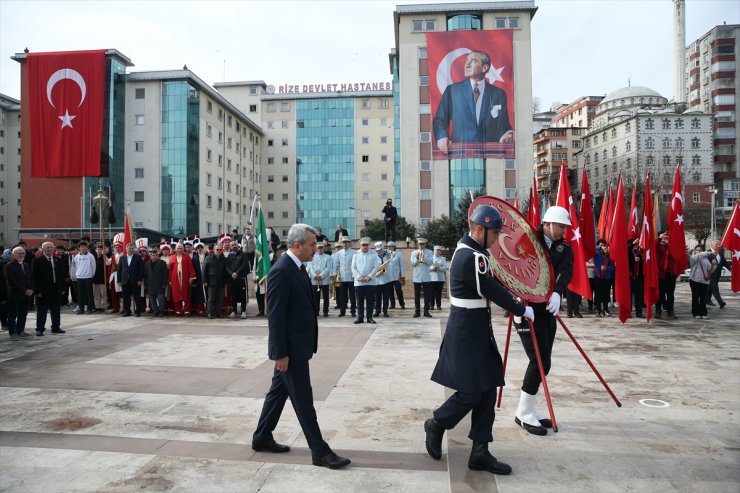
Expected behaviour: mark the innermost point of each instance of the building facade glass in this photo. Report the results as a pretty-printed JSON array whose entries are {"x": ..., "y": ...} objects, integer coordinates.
[
  {"x": 396, "y": 137},
  {"x": 179, "y": 158},
  {"x": 464, "y": 21},
  {"x": 112, "y": 146},
  {"x": 465, "y": 175},
  {"x": 325, "y": 163}
]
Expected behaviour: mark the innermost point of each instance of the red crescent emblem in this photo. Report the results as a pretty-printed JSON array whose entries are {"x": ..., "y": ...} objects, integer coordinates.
[{"x": 519, "y": 259}]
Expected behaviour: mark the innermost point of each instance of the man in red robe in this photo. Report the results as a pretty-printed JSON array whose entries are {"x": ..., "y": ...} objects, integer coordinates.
[{"x": 182, "y": 275}]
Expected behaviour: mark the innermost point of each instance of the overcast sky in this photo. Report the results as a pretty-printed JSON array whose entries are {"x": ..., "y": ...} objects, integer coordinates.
[{"x": 579, "y": 47}]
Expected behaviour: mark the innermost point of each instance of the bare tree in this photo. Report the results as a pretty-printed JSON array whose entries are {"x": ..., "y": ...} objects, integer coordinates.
[{"x": 536, "y": 104}]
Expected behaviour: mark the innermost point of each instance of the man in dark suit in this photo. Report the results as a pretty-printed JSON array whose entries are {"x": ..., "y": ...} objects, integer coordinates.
[
  {"x": 478, "y": 110},
  {"x": 20, "y": 291},
  {"x": 48, "y": 283},
  {"x": 719, "y": 253},
  {"x": 292, "y": 341},
  {"x": 130, "y": 274}
]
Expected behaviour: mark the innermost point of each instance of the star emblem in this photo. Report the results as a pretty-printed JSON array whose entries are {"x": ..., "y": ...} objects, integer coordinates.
[
  {"x": 520, "y": 250},
  {"x": 736, "y": 255},
  {"x": 576, "y": 234},
  {"x": 647, "y": 256},
  {"x": 67, "y": 119},
  {"x": 494, "y": 74},
  {"x": 679, "y": 219}
]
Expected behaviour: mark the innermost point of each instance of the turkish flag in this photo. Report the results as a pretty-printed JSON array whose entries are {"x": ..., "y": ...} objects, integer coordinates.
[
  {"x": 618, "y": 252},
  {"x": 601, "y": 226},
  {"x": 731, "y": 241},
  {"x": 676, "y": 225},
  {"x": 534, "y": 215},
  {"x": 66, "y": 95},
  {"x": 650, "y": 259},
  {"x": 587, "y": 219},
  {"x": 632, "y": 226},
  {"x": 610, "y": 211},
  {"x": 579, "y": 282}
]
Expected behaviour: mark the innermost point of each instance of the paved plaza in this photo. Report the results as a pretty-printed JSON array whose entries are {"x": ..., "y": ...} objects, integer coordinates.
[{"x": 149, "y": 404}]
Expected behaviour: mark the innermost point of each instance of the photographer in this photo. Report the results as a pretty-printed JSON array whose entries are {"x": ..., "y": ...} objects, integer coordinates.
[{"x": 390, "y": 213}]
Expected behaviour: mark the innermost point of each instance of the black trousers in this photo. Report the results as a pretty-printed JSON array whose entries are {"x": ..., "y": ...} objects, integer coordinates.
[
  {"x": 17, "y": 313},
  {"x": 44, "y": 306},
  {"x": 238, "y": 290},
  {"x": 131, "y": 290},
  {"x": 638, "y": 291},
  {"x": 347, "y": 294},
  {"x": 483, "y": 406},
  {"x": 426, "y": 287},
  {"x": 545, "y": 328},
  {"x": 390, "y": 232},
  {"x": 714, "y": 291},
  {"x": 383, "y": 293},
  {"x": 296, "y": 384},
  {"x": 698, "y": 299},
  {"x": 85, "y": 294},
  {"x": 398, "y": 294},
  {"x": 574, "y": 302},
  {"x": 601, "y": 294},
  {"x": 365, "y": 301},
  {"x": 667, "y": 288},
  {"x": 437, "y": 290},
  {"x": 215, "y": 300},
  {"x": 318, "y": 294}
]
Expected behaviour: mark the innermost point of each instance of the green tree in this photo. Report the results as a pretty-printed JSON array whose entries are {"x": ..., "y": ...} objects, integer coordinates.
[
  {"x": 441, "y": 231},
  {"x": 460, "y": 217}
]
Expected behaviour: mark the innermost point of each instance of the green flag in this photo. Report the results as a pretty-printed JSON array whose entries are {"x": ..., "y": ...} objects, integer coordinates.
[{"x": 262, "y": 251}]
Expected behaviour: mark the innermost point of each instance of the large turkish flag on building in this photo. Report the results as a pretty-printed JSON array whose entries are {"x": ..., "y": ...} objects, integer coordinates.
[{"x": 66, "y": 94}]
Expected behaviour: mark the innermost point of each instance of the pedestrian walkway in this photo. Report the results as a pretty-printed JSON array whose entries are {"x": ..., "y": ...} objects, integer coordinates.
[{"x": 150, "y": 404}]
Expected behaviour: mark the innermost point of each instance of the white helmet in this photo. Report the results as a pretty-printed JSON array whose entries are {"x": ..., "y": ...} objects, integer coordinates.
[{"x": 557, "y": 214}]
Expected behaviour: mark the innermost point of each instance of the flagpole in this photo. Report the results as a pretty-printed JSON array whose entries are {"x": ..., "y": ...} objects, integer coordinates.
[{"x": 506, "y": 357}]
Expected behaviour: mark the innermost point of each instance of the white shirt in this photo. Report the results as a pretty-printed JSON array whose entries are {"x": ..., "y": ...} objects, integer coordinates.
[{"x": 481, "y": 88}]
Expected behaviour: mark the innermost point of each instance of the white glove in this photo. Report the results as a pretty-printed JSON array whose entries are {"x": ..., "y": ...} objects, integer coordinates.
[
  {"x": 517, "y": 320},
  {"x": 554, "y": 305},
  {"x": 529, "y": 313}
]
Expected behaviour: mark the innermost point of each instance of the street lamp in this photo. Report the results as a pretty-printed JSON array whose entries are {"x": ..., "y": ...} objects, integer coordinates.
[
  {"x": 358, "y": 225},
  {"x": 713, "y": 191}
]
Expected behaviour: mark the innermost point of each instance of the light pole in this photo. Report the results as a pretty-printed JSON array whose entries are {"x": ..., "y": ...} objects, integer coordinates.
[
  {"x": 358, "y": 226},
  {"x": 712, "y": 191}
]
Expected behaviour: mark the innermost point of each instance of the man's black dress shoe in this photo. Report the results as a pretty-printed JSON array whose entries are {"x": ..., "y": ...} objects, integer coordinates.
[
  {"x": 370, "y": 321},
  {"x": 359, "y": 321},
  {"x": 434, "y": 433},
  {"x": 482, "y": 460},
  {"x": 416, "y": 315},
  {"x": 534, "y": 430},
  {"x": 331, "y": 460},
  {"x": 58, "y": 331},
  {"x": 271, "y": 446},
  {"x": 39, "y": 333},
  {"x": 428, "y": 315}
]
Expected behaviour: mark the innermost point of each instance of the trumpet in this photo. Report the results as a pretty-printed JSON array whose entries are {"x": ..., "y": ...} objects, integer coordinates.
[
  {"x": 420, "y": 257},
  {"x": 383, "y": 267}
]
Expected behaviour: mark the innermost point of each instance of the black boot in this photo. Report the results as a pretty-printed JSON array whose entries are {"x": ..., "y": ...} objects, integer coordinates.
[
  {"x": 482, "y": 460},
  {"x": 434, "y": 432}
]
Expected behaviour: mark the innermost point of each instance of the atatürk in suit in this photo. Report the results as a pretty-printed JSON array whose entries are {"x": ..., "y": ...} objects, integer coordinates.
[
  {"x": 292, "y": 341},
  {"x": 130, "y": 275}
]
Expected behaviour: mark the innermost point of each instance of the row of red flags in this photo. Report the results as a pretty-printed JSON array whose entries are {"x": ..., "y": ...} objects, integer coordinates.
[{"x": 614, "y": 226}]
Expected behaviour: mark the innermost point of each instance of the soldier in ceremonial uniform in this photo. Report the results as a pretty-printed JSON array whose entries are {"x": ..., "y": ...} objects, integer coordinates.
[
  {"x": 550, "y": 233},
  {"x": 421, "y": 260},
  {"x": 469, "y": 360}
]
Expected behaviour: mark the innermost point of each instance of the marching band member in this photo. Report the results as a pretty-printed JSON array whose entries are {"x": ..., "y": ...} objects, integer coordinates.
[{"x": 421, "y": 260}]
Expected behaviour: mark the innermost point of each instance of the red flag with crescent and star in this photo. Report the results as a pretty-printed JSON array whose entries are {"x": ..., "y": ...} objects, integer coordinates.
[
  {"x": 587, "y": 219},
  {"x": 731, "y": 241},
  {"x": 632, "y": 233},
  {"x": 66, "y": 95},
  {"x": 534, "y": 216},
  {"x": 649, "y": 259},
  {"x": 618, "y": 252},
  {"x": 676, "y": 226},
  {"x": 579, "y": 282}
]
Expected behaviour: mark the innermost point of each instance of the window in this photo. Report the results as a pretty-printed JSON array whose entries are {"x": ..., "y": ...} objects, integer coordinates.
[
  {"x": 284, "y": 123},
  {"x": 285, "y": 214},
  {"x": 695, "y": 143},
  {"x": 138, "y": 196},
  {"x": 666, "y": 143},
  {"x": 383, "y": 195},
  {"x": 220, "y": 137},
  {"x": 425, "y": 194},
  {"x": 666, "y": 160},
  {"x": 208, "y": 179},
  {"x": 384, "y": 140},
  {"x": 513, "y": 24},
  {"x": 220, "y": 183},
  {"x": 365, "y": 122},
  {"x": 271, "y": 107},
  {"x": 209, "y": 107},
  {"x": 270, "y": 178},
  {"x": 140, "y": 92},
  {"x": 628, "y": 163},
  {"x": 270, "y": 215},
  {"x": 649, "y": 143},
  {"x": 500, "y": 22},
  {"x": 228, "y": 121},
  {"x": 650, "y": 160},
  {"x": 614, "y": 151},
  {"x": 696, "y": 177},
  {"x": 270, "y": 196},
  {"x": 383, "y": 103},
  {"x": 627, "y": 127},
  {"x": 365, "y": 159},
  {"x": 628, "y": 146},
  {"x": 253, "y": 108},
  {"x": 383, "y": 122},
  {"x": 284, "y": 142},
  {"x": 270, "y": 143},
  {"x": 209, "y": 130},
  {"x": 695, "y": 123},
  {"x": 139, "y": 119},
  {"x": 139, "y": 146},
  {"x": 365, "y": 195},
  {"x": 679, "y": 143},
  {"x": 678, "y": 123},
  {"x": 209, "y": 201},
  {"x": 614, "y": 133},
  {"x": 384, "y": 158},
  {"x": 270, "y": 124},
  {"x": 614, "y": 167},
  {"x": 509, "y": 164},
  {"x": 696, "y": 160},
  {"x": 209, "y": 155},
  {"x": 425, "y": 137},
  {"x": 696, "y": 196},
  {"x": 604, "y": 154},
  {"x": 596, "y": 157},
  {"x": 285, "y": 178},
  {"x": 285, "y": 197},
  {"x": 366, "y": 177},
  {"x": 383, "y": 176},
  {"x": 228, "y": 186},
  {"x": 228, "y": 206},
  {"x": 270, "y": 160},
  {"x": 649, "y": 124},
  {"x": 228, "y": 142},
  {"x": 220, "y": 204},
  {"x": 423, "y": 53},
  {"x": 285, "y": 160},
  {"x": 425, "y": 109},
  {"x": 138, "y": 172},
  {"x": 220, "y": 160},
  {"x": 365, "y": 103},
  {"x": 425, "y": 165},
  {"x": 284, "y": 106}
]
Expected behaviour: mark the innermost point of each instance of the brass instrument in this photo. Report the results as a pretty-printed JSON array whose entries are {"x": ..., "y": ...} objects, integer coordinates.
[
  {"x": 383, "y": 267},
  {"x": 420, "y": 257},
  {"x": 337, "y": 281}
]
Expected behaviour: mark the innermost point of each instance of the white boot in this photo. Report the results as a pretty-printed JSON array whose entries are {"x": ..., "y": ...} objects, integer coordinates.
[{"x": 525, "y": 414}]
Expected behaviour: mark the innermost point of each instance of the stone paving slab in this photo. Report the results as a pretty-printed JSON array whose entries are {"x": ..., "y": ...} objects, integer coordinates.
[{"x": 146, "y": 404}]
